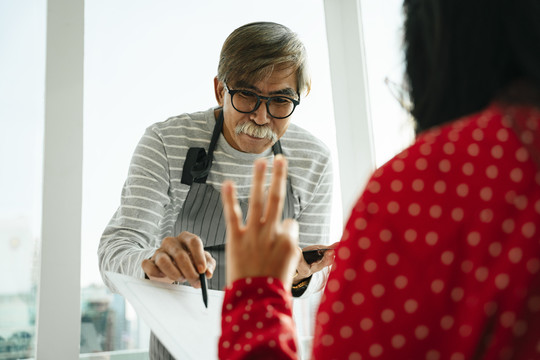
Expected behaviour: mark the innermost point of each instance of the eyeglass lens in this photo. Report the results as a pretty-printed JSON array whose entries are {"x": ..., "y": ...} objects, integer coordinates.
[{"x": 277, "y": 106}]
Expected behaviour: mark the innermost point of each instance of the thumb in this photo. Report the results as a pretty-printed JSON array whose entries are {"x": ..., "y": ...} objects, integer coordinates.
[{"x": 290, "y": 227}]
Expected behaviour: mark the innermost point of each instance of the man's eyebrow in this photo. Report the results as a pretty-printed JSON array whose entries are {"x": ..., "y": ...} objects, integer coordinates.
[{"x": 287, "y": 91}]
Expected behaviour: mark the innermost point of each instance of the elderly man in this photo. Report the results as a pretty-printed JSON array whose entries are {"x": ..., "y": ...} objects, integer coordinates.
[{"x": 170, "y": 225}]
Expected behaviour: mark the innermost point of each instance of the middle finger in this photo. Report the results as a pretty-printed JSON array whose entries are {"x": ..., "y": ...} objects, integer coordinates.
[
  {"x": 167, "y": 266},
  {"x": 184, "y": 262},
  {"x": 276, "y": 194},
  {"x": 256, "y": 201}
]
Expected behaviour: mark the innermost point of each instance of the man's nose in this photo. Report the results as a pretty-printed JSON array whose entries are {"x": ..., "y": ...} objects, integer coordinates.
[{"x": 261, "y": 115}]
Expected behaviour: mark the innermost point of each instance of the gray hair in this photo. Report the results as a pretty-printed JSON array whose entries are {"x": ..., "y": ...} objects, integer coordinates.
[{"x": 252, "y": 52}]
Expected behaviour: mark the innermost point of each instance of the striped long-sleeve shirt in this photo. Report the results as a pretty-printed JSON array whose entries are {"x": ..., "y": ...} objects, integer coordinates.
[{"x": 153, "y": 195}]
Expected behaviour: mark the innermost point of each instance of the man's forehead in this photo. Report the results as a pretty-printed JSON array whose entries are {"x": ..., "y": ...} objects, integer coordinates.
[{"x": 245, "y": 84}]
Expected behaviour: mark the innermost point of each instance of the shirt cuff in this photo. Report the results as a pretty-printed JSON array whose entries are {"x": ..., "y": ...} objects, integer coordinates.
[{"x": 244, "y": 289}]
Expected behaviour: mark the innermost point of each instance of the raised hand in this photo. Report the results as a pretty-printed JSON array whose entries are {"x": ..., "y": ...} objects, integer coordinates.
[{"x": 265, "y": 245}]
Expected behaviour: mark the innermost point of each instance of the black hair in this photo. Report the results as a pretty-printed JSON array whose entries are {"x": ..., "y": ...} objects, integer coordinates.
[{"x": 461, "y": 54}]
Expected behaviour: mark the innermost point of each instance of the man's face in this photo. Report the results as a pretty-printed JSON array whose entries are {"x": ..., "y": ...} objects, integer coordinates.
[{"x": 241, "y": 130}]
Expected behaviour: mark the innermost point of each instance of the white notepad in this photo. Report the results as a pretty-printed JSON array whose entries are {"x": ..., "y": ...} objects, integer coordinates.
[{"x": 177, "y": 316}]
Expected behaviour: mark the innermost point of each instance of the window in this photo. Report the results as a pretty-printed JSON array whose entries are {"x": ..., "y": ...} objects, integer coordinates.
[
  {"x": 140, "y": 60},
  {"x": 21, "y": 110},
  {"x": 392, "y": 127}
]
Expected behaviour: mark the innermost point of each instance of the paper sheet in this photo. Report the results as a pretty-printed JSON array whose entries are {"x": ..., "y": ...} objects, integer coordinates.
[{"x": 176, "y": 314}]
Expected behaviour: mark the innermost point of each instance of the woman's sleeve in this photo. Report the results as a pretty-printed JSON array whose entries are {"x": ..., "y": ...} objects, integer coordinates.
[{"x": 256, "y": 321}]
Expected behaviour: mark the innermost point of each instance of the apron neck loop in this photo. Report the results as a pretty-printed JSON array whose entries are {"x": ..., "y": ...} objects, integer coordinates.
[
  {"x": 276, "y": 148},
  {"x": 201, "y": 169},
  {"x": 215, "y": 137}
]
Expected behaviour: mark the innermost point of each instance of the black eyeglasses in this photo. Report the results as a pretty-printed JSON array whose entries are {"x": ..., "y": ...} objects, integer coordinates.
[{"x": 245, "y": 101}]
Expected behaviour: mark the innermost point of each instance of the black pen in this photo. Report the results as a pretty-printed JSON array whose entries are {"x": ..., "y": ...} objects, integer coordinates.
[{"x": 204, "y": 287}]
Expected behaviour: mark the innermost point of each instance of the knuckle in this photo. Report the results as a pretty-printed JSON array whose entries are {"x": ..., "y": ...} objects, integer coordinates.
[
  {"x": 194, "y": 240},
  {"x": 186, "y": 235},
  {"x": 183, "y": 237},
  {"x": 160, "y": 260},
  {"x": 175, "y": 253},
  {"x": 181, "y": 256},
  {"x": 168, "y": 240},
  {"x": 148, "y": 264}
]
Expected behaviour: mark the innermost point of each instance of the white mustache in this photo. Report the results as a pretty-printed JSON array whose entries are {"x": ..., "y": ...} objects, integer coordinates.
[{"x": 258, "y": 131}]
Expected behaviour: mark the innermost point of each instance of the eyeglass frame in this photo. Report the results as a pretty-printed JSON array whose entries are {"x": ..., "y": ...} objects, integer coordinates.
[{"x": 258, "y": 104}]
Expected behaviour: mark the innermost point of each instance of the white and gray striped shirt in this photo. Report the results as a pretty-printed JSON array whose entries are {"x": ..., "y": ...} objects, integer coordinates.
[{"x": 153, "y": 194}]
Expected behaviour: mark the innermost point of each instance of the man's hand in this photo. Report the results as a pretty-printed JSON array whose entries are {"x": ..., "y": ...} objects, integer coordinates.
[
  {"x": 180, "y": 258},
  {"x": 305, "y": 270},
  {"x": 265, "y": 245}
]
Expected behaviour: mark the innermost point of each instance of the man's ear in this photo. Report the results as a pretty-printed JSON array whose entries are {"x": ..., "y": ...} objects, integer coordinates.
[{"x": 219, "y": 91}]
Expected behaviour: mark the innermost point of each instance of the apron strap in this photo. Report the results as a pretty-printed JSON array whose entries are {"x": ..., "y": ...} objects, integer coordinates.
[
  {"x": 198, "y": 163},
  {"x": 277, "y": 148},
  {"x": 194, "y": 156}
]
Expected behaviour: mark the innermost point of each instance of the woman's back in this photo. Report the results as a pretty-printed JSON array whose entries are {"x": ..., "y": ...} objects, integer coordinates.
[{"x": 441, "y": 255}]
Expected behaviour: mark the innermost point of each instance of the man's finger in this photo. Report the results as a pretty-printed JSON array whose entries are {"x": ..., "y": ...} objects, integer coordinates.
[
  {"x": 164, "y": 262},
  {"x": 184, "y": 262},
  {"x": 150, "y": 269},
  {"x": 195, "y": 248}
]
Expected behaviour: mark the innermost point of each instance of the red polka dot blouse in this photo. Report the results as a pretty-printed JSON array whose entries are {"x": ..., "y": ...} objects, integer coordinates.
[{"x": 440, "y": 258}]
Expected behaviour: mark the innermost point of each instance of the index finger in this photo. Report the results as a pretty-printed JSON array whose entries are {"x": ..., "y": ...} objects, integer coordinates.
[{"x": 196, "y": 249}]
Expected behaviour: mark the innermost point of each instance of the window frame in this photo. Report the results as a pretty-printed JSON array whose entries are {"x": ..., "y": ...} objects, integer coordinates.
[{"x": 60, "y": 256}]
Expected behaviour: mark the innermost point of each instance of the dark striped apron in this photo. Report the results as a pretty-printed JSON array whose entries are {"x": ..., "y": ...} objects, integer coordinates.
[{"x": 202, "y": 214}]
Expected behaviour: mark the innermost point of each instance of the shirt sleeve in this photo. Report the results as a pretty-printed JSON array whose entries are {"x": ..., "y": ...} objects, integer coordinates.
[
  {"x": 132, "y": 234},
  {"x": 314, "y": 224},
  {"x": 257, "y": 321}
]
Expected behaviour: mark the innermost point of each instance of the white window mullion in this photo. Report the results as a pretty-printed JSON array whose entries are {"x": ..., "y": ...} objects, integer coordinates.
[
  {"x": 351, "y": 99},
  {"x": 58, "y": 316}
]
